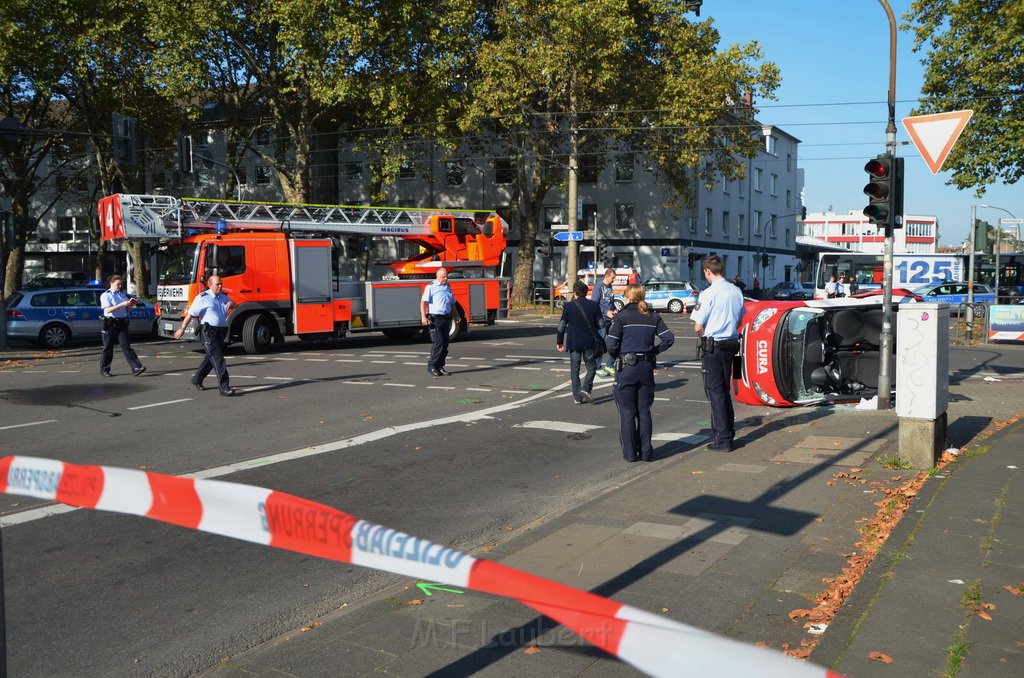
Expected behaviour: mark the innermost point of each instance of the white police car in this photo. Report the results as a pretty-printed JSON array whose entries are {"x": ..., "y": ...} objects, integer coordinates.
[
  {"x": 55, "y": 316},
  {"x": 671, "y": 295}
]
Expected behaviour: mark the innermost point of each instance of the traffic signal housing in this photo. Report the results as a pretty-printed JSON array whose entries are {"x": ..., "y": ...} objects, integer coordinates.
[
  {"x": 981, "y": 239},
  {"x": 544, "y": 245},
  {"x": 601, "y": 253},
  {"x": 124, "y": 140},
  {"x": 885, "y": 191},
  {"x": 185, "y": 153}
]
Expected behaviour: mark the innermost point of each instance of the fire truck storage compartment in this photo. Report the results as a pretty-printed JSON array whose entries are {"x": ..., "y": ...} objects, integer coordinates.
[
  {"x": 311, "y": 291},
  {"x": 395, "y": 304}
]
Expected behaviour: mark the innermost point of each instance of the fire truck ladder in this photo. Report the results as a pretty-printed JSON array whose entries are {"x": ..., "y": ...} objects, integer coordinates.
[{"x": 161, "y": 216}]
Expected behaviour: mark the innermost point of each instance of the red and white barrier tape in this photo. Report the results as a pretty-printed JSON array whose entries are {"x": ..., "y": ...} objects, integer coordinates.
[{"x": 653, "y": 644}]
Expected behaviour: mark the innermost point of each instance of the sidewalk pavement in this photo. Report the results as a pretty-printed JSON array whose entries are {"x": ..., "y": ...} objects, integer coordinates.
[{"x": 734, "y": 543}]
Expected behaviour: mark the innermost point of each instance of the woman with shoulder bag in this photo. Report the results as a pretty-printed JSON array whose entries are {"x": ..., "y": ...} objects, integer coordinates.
[
  {"x": 631, "y": 341},
  {"x": 580, "y": 320}
]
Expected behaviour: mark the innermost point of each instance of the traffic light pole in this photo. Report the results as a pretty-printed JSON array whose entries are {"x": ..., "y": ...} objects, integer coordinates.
[{"x": 886, "y": 342}]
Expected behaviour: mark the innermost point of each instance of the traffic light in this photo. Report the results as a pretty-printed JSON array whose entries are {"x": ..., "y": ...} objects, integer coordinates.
[
  {"x": 981, "y": 240},
  {"x": 694, "y": 6},
  {"x": 544, "y": 245},
  {"x": 885, "y": 190},
  {"x": 124, "y": 140},
  {"x": 601, "y": 253},
  {"x": 185, "y": 153},
  {"x": 879, "y": 189}
]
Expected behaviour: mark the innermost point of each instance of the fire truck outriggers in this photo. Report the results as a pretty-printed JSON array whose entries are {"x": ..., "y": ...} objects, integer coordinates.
[{"x": 295, "y": 269}]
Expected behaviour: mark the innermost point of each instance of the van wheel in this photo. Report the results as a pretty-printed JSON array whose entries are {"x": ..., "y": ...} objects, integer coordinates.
[
  {"x": 54, "y": 335},
  {"x": 257, "y": 334}
]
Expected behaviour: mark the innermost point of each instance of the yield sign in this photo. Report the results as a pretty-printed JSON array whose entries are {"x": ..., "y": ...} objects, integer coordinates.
[{"x": 935, "y": 134}]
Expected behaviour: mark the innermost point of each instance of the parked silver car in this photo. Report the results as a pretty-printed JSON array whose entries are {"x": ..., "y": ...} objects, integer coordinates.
[{"x": 54, "y": 316}]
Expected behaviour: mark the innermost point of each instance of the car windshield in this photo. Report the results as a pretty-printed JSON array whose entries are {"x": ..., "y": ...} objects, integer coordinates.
[
  {"x": 799, "y": 351},
  {"x": 178, "y": 263}
]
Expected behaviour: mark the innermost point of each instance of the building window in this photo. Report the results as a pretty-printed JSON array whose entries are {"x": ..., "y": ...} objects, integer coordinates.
[
  {"x": 406, "y": 170},
  {"x": 625, "y": 167},
  {"x": 243, "y": 176},
  {"x": 725, "y": 224},
  {"x": 159, "y": 180},
  {"x": 789, "y": 199},
  {"x": 589, "y": 169},
  {"x": 504, "y": 171},
  {"x": 692, "y": 223},
  {"x": 773, "y": 184},
  {"x": 740, "y": 224},
  {"x": 454, "y": 173},
  {"x": 789, "y": 162},
  {"x": 789, "y": 238},
  {"x": 263, "y": 137},
  {"x": 757, "y": 179},
  {"x": 353, "y": 171},
  {"x": 72, "y": 229},
  {"x": 771, "y": 225},
  {"x": 708, "y": 218},
  {"x": 262, "y": 175},
  {"x": 757, "y": 222},
  {"x": 725, "y": 185},
  {"x": 624, "y": 217},
  {"x": 769, "y": 145},
  {"x": 741, "y": 188},
  {"x": 553, "y": 217}
]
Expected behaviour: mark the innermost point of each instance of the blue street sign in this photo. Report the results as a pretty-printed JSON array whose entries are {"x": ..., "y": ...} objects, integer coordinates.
[{"x": 565, "y": 236}]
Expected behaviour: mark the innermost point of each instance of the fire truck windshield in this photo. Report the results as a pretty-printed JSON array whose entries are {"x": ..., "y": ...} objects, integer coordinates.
[{"x": 178, "y": 263}]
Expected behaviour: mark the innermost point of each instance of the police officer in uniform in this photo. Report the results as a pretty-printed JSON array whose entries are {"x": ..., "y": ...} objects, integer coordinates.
[
  {"x": 211, "y": 308},
  {"x": 436, "y": 308},
  {"x": 115, "y": 305},
  {"x": 630, "y": 341},
  {"x": 716, "y": 319}
]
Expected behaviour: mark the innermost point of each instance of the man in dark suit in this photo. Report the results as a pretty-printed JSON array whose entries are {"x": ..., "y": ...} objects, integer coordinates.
[{"x": 580, "y": 319}]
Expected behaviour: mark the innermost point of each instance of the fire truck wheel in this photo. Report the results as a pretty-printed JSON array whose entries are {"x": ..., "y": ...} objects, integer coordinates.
[
  {"x": 257, "y": 334},
  {"x": 456, "y": 327}
]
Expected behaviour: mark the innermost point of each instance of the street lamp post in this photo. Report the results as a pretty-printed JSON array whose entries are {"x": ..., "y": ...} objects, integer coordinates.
[
  {"x": 764, "y": 240},
  {"x": 999, "y": 232}
]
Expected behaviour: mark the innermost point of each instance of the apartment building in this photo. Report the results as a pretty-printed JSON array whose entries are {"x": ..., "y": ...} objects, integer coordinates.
[
  {"x": 853, "y": 231},
  {"x": 754, "y": 223}
]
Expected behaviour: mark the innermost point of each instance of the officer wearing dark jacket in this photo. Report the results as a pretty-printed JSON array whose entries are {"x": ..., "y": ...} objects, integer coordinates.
[
  {"x": 580, "y": 319},
  {"x": 631, "y": 341},
  {"x": 716, "y": 319}
]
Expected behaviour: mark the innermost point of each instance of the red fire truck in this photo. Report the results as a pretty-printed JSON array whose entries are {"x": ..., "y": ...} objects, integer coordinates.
[{"x": 304, "y": 269}]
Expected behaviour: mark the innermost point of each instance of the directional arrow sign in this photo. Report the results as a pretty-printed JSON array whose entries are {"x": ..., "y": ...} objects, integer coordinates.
[
  {"x": 429, "y": 587},
  {"x": 935, "y": 134},
  {"x": 565, "y": 236}
]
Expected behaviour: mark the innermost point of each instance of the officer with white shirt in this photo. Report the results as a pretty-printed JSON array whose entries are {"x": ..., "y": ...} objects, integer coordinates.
[
  {"x": 436, "y": 307},
  {"x": 716, "y": 319},
  {"x": 211, "y": 309},
  {"x": 115, "y": 304}
]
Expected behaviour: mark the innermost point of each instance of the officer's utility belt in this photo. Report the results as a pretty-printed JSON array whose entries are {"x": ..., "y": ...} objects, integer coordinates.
[
  {"x": 439, "y": 316},
  {"x": 634, "y": 358},
  {"x": 710, "y": 345},
  {"x": 109, "y": 322}
]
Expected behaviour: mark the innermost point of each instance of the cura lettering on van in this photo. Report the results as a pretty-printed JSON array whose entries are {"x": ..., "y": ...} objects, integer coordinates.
[{"x": 762, "y": 356}]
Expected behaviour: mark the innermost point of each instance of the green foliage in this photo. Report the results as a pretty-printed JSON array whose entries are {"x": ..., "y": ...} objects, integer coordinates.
[{"x": 974, "y": 59}]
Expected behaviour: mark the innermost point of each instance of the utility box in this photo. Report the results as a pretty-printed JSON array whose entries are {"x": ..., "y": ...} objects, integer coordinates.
[{"x": 922, "y": 381}]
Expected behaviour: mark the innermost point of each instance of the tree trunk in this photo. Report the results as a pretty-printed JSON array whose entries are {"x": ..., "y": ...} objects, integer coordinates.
[{"x": 15, "y": 266}]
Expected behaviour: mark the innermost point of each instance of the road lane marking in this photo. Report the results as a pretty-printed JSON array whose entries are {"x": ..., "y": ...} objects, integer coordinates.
[
  {"x": 563, "y": 426},
  {"x": 166, "y": 402},
  {"x": 31, "y": 423},
  {"x": 316, "y": 450},
  {"x": 396, "y": 384}
]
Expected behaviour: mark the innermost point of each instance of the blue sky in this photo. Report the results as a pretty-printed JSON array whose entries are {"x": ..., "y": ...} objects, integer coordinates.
[{"x": 834, "y": 60}]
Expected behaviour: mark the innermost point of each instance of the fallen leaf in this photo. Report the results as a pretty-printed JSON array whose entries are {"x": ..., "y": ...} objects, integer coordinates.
[
  {"x": 819, "y": 520},
  {"x": 856, "y": 470},
  {"x": 533, "y": 649},
  {"x": 310, "y": 627},
  {"x": 696, "y": 473},
  {"x": 761, "y": 643},
  {"x": 416, "y": 601},
  {"x": 830, "y": 483},
  {"x": 880, "y": 657},
  {"x": 1015, "y": 590},
  {"x": 984, "y": 615}
]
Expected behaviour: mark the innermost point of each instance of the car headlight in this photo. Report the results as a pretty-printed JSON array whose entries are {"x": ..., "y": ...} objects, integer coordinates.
[
  {"x": 762, "y": 317},
  {"x": 765, "y": 398}
]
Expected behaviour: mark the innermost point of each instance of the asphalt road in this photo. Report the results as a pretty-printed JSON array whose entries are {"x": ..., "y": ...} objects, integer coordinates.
[
  {"x": 363, "y": 427},
  {"x": 357, "y": 424}
]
